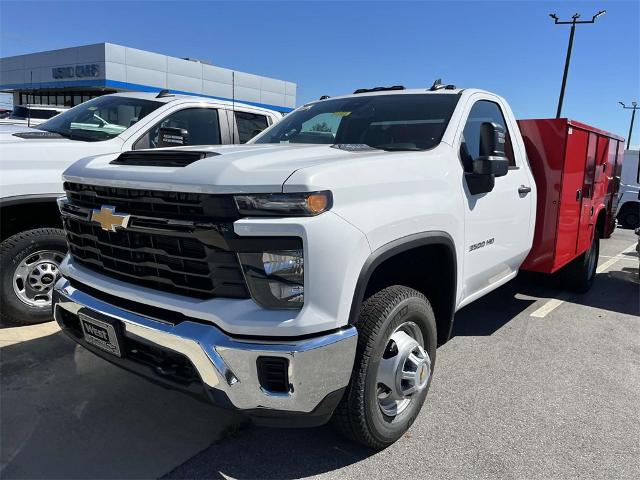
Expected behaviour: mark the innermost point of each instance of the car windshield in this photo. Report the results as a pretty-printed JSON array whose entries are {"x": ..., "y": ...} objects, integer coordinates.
[
  {"x": 101, "y": 118},
  {"x": 387, "y": 122}
]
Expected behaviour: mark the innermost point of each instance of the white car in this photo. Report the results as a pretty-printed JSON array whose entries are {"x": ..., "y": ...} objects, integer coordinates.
[
  {"x": 33, "y": 160},
  {"x": 629, "y": 197},
  {"x": 31, "y": 115}
]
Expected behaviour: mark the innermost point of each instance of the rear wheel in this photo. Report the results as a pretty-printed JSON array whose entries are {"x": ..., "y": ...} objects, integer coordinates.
[
  {"x": 580, "y": 274},
  {"x": 29, "y": 262},
  {"x": 392, "y": 370},
  {"x": 629, "y": 216}
]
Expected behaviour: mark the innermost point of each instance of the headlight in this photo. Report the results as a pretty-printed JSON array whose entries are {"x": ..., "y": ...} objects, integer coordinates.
[
  {"x": 284, "y": 204},
  {"x": 275, "y": 279}
]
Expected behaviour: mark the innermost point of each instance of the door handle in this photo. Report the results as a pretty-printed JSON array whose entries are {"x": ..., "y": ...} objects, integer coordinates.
[
  {"x": 578, "y": 195},
  {"x": 523, "y": 190}
]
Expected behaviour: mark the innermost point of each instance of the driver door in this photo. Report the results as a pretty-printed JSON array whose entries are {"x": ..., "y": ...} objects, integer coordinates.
[{"x": 498, "y": 225}]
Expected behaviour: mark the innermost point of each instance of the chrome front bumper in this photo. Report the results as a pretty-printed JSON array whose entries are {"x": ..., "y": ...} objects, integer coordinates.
[{"x": 227, "y": 367}]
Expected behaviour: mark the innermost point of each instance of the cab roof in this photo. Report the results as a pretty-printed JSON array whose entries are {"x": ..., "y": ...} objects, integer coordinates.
[{"x": 168, "y": 98}]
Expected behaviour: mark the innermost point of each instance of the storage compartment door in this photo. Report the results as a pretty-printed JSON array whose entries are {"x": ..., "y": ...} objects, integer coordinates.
[
  {"x": 587, "y": 221},
  {"x": 571, "y": 195}
]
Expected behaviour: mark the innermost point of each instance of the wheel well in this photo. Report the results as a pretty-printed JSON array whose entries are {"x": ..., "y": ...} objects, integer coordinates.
[
  {"x": 628, "y": 206},
  {"x": 19, "y": 217},
  {"x": 600, "y": 223},
  {"x": 430, "y": 269}
]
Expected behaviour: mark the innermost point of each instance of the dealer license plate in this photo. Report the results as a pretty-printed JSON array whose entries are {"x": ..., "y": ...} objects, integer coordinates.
[{"x": 100, "y": 334}]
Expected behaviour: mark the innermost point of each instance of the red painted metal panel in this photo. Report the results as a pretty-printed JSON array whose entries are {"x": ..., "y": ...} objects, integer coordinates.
[
  {"x": 587, "y": 213},
  {"x": 545, "y": 144},
  {"x": 575, "y": 168},
  {"x": 571, "y": 196}
]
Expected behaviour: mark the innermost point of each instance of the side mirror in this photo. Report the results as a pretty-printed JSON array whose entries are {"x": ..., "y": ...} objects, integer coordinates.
[
  {"x": 172, "y": 137},
  {"x": 492, "y": 161}
]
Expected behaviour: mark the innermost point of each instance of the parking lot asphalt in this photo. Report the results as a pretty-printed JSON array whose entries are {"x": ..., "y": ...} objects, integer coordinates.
[{"x": 535, "y": 383}]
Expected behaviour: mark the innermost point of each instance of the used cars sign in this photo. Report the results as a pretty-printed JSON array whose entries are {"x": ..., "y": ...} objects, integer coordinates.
[{"x": 79, "y": 71}]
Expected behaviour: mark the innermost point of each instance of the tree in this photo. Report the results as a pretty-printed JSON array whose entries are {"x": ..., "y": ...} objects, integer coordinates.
[{"x": 321, "y": 127}]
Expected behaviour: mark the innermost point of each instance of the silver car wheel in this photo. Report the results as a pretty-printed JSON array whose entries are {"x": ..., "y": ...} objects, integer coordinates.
[
  {"x": 35, "y": 276},
  {"x": 404, "y": 370}
]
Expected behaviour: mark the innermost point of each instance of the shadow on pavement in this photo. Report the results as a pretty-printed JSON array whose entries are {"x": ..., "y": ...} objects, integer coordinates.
[
  {"x": 274, "y": 454},
  {"x": 68, "y": 414}
]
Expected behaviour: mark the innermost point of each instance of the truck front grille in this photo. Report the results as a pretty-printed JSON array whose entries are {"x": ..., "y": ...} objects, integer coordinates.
[
  {"x": 176, "y": 205},
  {"x": 162, "y": 249}
]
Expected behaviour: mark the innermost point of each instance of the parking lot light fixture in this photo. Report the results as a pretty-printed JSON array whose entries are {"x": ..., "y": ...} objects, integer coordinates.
[
  {"x": 573, "y": 22},
  {"x": 633, "y": 108}
]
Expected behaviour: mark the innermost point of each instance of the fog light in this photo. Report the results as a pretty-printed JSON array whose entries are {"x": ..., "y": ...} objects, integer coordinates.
[{"x": 275, "y": 279}]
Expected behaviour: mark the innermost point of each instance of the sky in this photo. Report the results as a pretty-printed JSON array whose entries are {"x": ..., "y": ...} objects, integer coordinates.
[{"x": 511, "y": 48}]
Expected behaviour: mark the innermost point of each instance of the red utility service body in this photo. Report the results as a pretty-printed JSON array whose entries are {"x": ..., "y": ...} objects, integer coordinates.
[{"x": 577, "y": 172}]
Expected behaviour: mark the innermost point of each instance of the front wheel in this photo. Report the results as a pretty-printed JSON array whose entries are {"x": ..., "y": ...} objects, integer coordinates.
[
  {"x": 392, "y": 371},
  {"x": 29, "y": 262}
]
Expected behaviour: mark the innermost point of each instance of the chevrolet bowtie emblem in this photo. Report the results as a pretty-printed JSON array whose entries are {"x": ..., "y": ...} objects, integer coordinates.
[{"x": 108, "y": 219}]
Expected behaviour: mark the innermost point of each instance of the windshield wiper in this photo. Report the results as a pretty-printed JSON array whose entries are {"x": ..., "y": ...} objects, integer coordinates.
[{"x": 400, "y": 147}]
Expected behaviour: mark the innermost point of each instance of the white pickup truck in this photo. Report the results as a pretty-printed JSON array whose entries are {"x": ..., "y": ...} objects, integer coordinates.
[
  {"x": 311, "y": 273},
  {"x": 33, "y": 160}
]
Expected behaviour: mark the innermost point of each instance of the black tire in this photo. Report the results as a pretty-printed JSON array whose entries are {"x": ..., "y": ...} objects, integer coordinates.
[
  {"x": 629, "y": 216},
  {"x": 359, "y": 416},
  {"x": 579, "y": 275},
  {"x": 15, "y": 250}
]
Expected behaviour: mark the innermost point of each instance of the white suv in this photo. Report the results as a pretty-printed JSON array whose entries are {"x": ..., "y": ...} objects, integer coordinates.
[{"x": 33, "y": 161}]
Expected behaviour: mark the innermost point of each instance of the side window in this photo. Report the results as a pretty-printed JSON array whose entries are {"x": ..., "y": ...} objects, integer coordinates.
[
  {"x": 249, "y": 125},
  {"x": 201, "y": 124},
  {"x": 482, "y": 111}
]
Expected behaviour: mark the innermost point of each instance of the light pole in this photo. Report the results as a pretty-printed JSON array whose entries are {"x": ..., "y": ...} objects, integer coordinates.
[
  {"x": 633, "y": 108},
  {"x": 573, "y": 22}
]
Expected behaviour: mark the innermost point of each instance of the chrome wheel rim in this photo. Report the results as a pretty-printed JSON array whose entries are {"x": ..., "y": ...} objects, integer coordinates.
[
  {"x": 404, "y": 370},
  {"x": 35, "y": 276}
]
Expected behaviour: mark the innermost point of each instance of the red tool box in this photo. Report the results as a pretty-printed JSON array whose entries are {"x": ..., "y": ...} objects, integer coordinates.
[{"x": 577, "y": 172}]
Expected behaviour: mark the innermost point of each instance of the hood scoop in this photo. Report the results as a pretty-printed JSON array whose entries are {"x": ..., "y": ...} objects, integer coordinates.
[{"x": 171, "y": 158}]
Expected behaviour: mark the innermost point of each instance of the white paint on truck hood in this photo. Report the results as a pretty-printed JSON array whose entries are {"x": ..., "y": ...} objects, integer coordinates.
[
  {"x": 32, "y": 167},
  {"x": 237, "y": 169}
]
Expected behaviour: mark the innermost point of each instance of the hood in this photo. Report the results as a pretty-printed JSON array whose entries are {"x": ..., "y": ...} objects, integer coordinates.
[
  {"x": 35, "y": 166},
  {"x": 8, "y": 128},
  {"x": 18, "y": 121},
  {"x": 229, "y": 169},
  {"x": 23, "y": 135}
]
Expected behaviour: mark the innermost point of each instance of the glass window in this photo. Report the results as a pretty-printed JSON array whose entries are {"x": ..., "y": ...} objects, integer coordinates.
[
  {"x": 388, "y": 122},
  {"x": 481, "y": 112},
  {"x": 201, "y": 125},
  {"x": 21, "y": 112},
  {"x": 67, "y": 101},
  {"x": 100, "y": 119},
  {"x": 77, "y": 100},
  {"x": 249, "y": 125}
]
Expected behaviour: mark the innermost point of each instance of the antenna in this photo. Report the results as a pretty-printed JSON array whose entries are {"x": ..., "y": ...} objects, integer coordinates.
[
  {"x": 28, "y": 109},
  {"x": 233, "y": 106}
]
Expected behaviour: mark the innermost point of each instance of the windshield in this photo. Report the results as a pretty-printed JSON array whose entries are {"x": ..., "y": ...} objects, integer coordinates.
[
  {"x": 387, "y": 122},
  {"x": 101, "y": 118},
  {"x": 22, "y": 113}
]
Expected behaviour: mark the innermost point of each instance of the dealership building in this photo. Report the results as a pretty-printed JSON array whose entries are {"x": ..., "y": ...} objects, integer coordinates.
[{"x": 70, "y": 76}]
